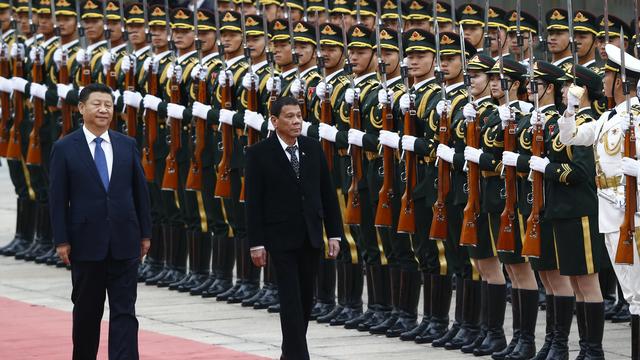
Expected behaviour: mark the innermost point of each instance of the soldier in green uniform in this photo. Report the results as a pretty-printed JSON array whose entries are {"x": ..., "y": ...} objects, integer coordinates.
[
  {"x": 367, "y": 15},
  {"x": 389, "y": 14},
  {"x": 471, "y": 17},
  {"x": 586, "y": 32},
  {"x": 528, "y": 29},
  {"x": 498, "y": 32},
  {"x": 340, "y": 13},
  {"x": 445, "y": 19},
  {"x": 307, "y": 75},
  {"x": 557, "y": 20},
  {"x": 417, "y": 15},
  {"x": 616, "y": 25}
]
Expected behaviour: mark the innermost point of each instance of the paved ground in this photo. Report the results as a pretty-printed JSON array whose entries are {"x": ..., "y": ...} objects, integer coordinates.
[{"x": 180, "y": 316}]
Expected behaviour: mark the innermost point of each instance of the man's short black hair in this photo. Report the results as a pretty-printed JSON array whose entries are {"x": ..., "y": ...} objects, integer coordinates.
[
  {"x": 91, "y": 88},
  {"x": 281, "y": 102}
]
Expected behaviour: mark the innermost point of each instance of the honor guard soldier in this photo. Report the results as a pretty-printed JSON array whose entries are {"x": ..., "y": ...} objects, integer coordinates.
[
  {"x": 528, "y": 29},
  {"x": 307, "y": 75},
  {"x": 270, "y": 8},
  {"x": 616, "y": 26},
  {"x": 367, "y": 13},
  {"x": 498, "y": 30},
  {"x": 296, "y": 10},
  {"x": 341, "y": 9},
  {"x": 586, "y": 33},
  {"x": 608, "y": 136},
  {"x": 316, "y": 12},
  {"x": 445, "y": 17},
  {"x": 389, "y": 15},
  {"x": 417, "y": 15},
  {"x": 471, "y": 17},
  {"x": 282, "y": 50},
  {"x": 558, "y": 37}
]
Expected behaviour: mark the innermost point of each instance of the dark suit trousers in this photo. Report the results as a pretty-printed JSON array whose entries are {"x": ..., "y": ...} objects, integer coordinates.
[
  {"x": 92, "y": 280},
  {"x": 296, "y": 271}
]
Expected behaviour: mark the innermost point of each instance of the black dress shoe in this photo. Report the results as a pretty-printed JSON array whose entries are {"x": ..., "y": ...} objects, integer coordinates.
[
  {"x": 249, "y": 302},
  {"x": 229, "y": 293},
  {"x": 195, "y": 281},
  {"x": 332, "y": 314},
  {"x": 180, "y": 282},
  {"x": 465, "y": 336},
  {"x": 42, "y": 259},
  {"x": 436, "y": 330},
  {"x": 378, "y": 318},
  {"x": 469, "y": 348},
  {"x": 612, "y": 310},
  {"x": 405, "y": 322},
  {"x": 171, "y": 277},
  {"x": 353, "y": 323},
  {"x": 623, "y": 315},
  {"x": 348, "y": 313},
  {"x": 381, "y": 328},
  {"x": 153, "y": 281}
]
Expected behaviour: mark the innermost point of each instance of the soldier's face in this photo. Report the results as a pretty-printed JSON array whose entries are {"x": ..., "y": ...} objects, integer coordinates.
[
  {"x": 5, "y": 15},
  {"x": 97, "y": 111},
  {"x": 423, "y": 24},
  {"x": 495, "y": 86},
  {"x": 360, "y": 59},
  {"x": 224, "y": 6},
  {"x": 94, "y": 29},
  {"x": 136, "y": 34},
  {"x": 208, "y": 40},
  {"x": 479, "y": 81},
  {"x": 66, "y": 24},
  {"x": 391, "y": 23},
  {"x": 498, "y": 37},
  {"x": 232, "y": 40},
  {"x": 315, "y": 16},
  {"x": 45, "y": 24},
  {"x": 558, "y": 40},
  {"x": 272, "y": 12},
  {"x": 289, "y": 123},
  {"x": 282, "y": 52},
  {"x": 513, "y": 42},
  {"x": 306, "y": 52},
  {"x": 332, "y": 56},
  {"x": 183, "y": 38},
  {"x": 23, "y": 21},
  {"x": 115, "y": 29},
  {"x": 613, "y": 40},
  {"x": 584, "y": 42},
  {"x": 296, "y": 15},
  {"x": 256, "y": 44},
  {"x": 445, "y": 26},
  {"x": 392, "y": 59},
  {"x": 336, "y": 19},
  {"x": 420, "y": 63},
  {"x": 158, "y": 36},
  {"x": 368, "y": 21},
  {"x": 249, "y": 9},
  {"x": 608, "y": 83},
  {"x": 451, "y": 65},
  {"x": 474, "y": 34}
]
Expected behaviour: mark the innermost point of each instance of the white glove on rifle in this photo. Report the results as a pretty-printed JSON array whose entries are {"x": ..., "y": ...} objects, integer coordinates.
[
  {"x": 296, "y": 88},
  {"x": 408, "y": 142},
  {"x": 18, "y": 84},
  {"x": 274, "y": 83},
  {"x": 510, "y": 158},
  {"x": 354, "y": 137},
  {"x": 389, "y": 138},
  {"x": 37, "y": 50},
  {"x": 177, "y": 70},
  {"x": 151, "y": 102},
  {"x": 324, "y": 90},
  {"x": 624, "y": 122},
  {"x": 385, "y": 98},
  {"x": 175, "y": 111},
  {"x": 253, "y": 119},
  {"x": 63, "y": 90},
  {"x": 6, "y": 85},
  {"x": 250, "y": 78},
  {"x": 305, "y": 128},
  {"x": 106, "y": 60},
  {"x": 350, "y": 94},
  {"x": 195, "y": 72},
  {"x": 442, "y": 106},
  {"x": 469, "y": 112},
  {"x": 538, "y": 164},
  {"x": 536, "y": 118},
  {"x": 132, "y": 98},
  {"x": 224, "y": 77},
  {"x": 327, "y": 132},
  {"x": 200, "y": 110},
  {"x": 17, "y": 49},
  {"x": 574, "y": 94},
  {"x": 504, "y": 111},
  {"x": 129, "y": 62},
  {"x": 472, "y": 154},
  {"x": 226, "y": 116},
  {"x": 38, "y": 90},
  {"x": 445, "y": 153},
  {"x": 405, "y": 102},
  {"x": 630, "y": 166},
  {"x": 116, "y": 95},
  {"x": 82, "y": 56}
]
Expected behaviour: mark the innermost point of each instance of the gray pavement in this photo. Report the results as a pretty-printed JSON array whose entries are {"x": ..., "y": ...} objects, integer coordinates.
[{"x": 241, "y": 329}]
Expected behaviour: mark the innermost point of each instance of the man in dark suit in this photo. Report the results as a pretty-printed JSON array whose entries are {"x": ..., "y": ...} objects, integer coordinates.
[
  {"x": 289, "y": 194},
  {"x": 101, "y": 224}
]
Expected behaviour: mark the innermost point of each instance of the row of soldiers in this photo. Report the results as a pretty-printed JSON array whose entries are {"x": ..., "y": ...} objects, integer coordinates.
[{"x": 450, "y": 144}]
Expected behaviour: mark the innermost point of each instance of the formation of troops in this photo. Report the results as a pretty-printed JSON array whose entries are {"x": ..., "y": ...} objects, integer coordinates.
[{"x": 465, "y": 141}]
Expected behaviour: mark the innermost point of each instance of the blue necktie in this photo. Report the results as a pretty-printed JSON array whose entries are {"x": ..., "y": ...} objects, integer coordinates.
[{"x": 101, "y": 163}]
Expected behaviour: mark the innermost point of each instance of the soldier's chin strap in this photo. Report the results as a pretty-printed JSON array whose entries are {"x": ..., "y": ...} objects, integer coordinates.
[
  {"x": 546, "y": 86},
  {"x": 613, "y": 85}
]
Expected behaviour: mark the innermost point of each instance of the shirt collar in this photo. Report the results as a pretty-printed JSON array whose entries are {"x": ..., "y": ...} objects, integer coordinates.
[
  {"x": 302, "y": 74},
  {"x": 622, "y": 107},
  {"x": 287, "y": 73},
  {"x": 454, "y": 86},
  {"x": 91, "y": 47},
  {"x": 47, "y": 42},
  {"x": 478, "y": 101},
  {"x": 589, "y": 63},
  {"x": 258, "y": 66},
  {"x": 418, "y": 85},
  {"x": 90, "y": 137},
  {"x": 33, "y": 39},
  {"x": 141, "y": 51},
  {"x": 162, "y": 55},
  {"x": 210, "y": 56},
  {"x": 115, "y": 49},
  {"x": 543, "y": 108},
  {"x": 6, "y": 34},
  {"x": 232, "y": 62},
  {"x": 183, "y": 57},
  {"x": 70, "y": 44},
  {"x": 558, "y": 62},
  {"x": 359, "y": 79},
  {"x": 390, "y": 82},
  {"x": 284, "y": 144}
]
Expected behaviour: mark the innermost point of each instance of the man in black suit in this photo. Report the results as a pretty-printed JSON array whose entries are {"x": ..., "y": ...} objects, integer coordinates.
[
  {"x": 101, "y": 224},
  {"x": 289, "y": 195}
]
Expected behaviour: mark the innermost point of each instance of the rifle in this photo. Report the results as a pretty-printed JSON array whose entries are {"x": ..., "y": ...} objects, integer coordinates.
[
  {"x": 5, "y": 100},
  {"x": 541, "y": 38},
  {"x": 223, "y": 179},
  {"x": 532, "y": 240},
  {"x": 624, "y": 252},
  {"x": 34, "y": 151},
  {"x": 354, "y": 210},
  {"x": 110, "y": 70},
  {"x": 14, "y": 149},
  {"x": 302, "y": 99},
  {"x": 572, "y": 41},
  {"x": 66, "y": 122},
  {"x": 194, "y": 178},
  {"x": 269, "y": 54},
  {"x": 325, "y": 106},
  {"x": 469, "y": 233},
  {"x": 611, "y": 103},
  {"x": 131, "y": 115},
  {"x": 439, "y": 222},
  {"x": 170, "y": 181},
  {"x": 384, "y": 216},
  {"x": 487, "y": 37},
  {"x": 519, "y": 37},
  {"x": 252, "y": 93},
  {"x": 506, "y": 235},
  {"x": 85, "y": 78},
  {"x": 150, "y": 123}
]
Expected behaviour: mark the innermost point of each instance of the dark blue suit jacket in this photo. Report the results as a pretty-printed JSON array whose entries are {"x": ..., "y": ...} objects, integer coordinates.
[{"x": 95, "y": 222}]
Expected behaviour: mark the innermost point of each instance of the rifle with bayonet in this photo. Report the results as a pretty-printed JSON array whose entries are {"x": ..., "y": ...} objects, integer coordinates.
[
  {"x": 131, "y": 115},
  {"x": 110, "y": 70},
  {"x": 541, "y": 36},
  {"x": 34, "y": 150},
  {"x": 572, "y": 41},
  {"x": 5, "y": 99},
  {"x": 486, "y": 46},
  {"x": 325, "y": 104},
  {"x": 85, "y": 73},
  {"x": 273, "y": 95},
  {"x": 519, "y": 36},
  {"x": 252, "y": 92},
  {"x": 150, "y": 117},
  {"x": 66, "y": 120},
  {"x": 14, "y": 149},
  {"x": 302, "y": 99},
  {"x": 198, "y": 139},
  {"x": 611, "y": 103}
]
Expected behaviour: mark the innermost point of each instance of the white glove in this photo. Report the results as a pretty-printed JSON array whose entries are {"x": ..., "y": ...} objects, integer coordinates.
[
  {"x": 296, "y": 88},
  {"x": 389, "y": 138},
  {"x": 442, "y": 106},
  {"x": 225, "y": 76},
  {"x": 567, "y": 127},
  {"x": 538, "y": 164},
  {"x": 270, "y": 126},
  {"x": 18, "y": 84},
  {"x": 624, "y": 123},
  {"x": 469, "y": 111},
  {"x": 38, "y": 90},
  {"x": 17, "y": 49},
  {"x": 36, "y": 50},
  {"x": 174, "y": 69},
  {"x": 175, "y": 111},
  {"x": 253, "y": 119},
  {"x": 574, "y": 94},
  {"x": 57, "y": 57},
  {"x": 147, "y": 63},
  {"x": 630, "y": 166},
  {"x": 106, "y": 60},
  {"x": 385, "y": 98},
  {"x": 200, "y": 110},
  {"x": 472, "y": 154},
  {"x": 250, "y": 78},
  {"x": 509, "y": 158},
  {"x": 132, "y": 98},
  {"x": 274, "y": 83},
  {"x": 129, "y": 62},
  {"x": 445, "y": 153},
  {"x": 195, "y": 72},
  {"x": 305, "y": 128},
  {"x": 324, "y": 90},
  {"x": 151, "y": 102},
  {"x": 504, "y": 111},
  {"x": 355, "y": 137},
  {"x": 327, "y": 132},
  {"x": 6, "y": 85},
  {"x": 536, "y": 118},
  {"x": 405, "y": 102},
  {"x": 82, "y": 56},
  {"x": 408, "y": 142},
  {"x": 116, "y": 95},
  {"x": 226, "y": 116},
  {"x": 63, "y": 90},
  {"x": 350, "y": 94}
]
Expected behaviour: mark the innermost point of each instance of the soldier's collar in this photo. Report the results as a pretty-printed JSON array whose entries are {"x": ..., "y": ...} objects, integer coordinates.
[
  {"x": 359, "y": 79},
  {"x": 258, "y": 66},
  {"x": 543, "y": 108},
  {"x": 513, "y": 102},
  {"x": 303, "y": 73},
  {"x": 162, "y": 55},
  {"x": 391, "y": 82},
  {"x": 288, "y": 72},
  {"x": 33, "y": 39},
  {"x": 419, "y": 85},
  {"x": 477, "y": 102},
  {"x": 210, "y": 56},
  {"x": 557, "y": 63},
  {"x": 498, "y": 57},
  {"x": 233, "y": 61},
  {"x": 141, "y": 51},
  {"x": 333, "y": 74},
  {"x": 6, "y": 34},
  {"x": 70, "y": 44},
  {"x": 91, "y": 47},
  {"x": 622, "y": 107},
  {"x": 455, "y": 86},
  {"x": 115, "y": 49},
  {"x": 589, "y": 63},
  {"x": 181, "y": 58},
  {"x": 49, "y": 41}
]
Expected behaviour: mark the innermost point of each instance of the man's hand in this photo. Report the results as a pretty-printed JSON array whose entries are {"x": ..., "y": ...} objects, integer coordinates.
[
  {"x": 145, "y": 244},
  {"x": 64, "y": 251},
  {"x": 334, "y": 248},
  {"x": 259, "y": 257}
]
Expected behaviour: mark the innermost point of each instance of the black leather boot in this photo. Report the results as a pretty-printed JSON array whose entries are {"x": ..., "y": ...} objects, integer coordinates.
[
  {"x": 426, "y": 309},
  {"x": 202, "y": 243},
  {"x": 564, "y": 316},
  {"x": 441, "y": 292},
  {"x": 394, "y": 287},
  {"x": 250, "y": 275},
  {"x": 192, "y": 262},
  {"x": 165, "y": 259},
  {"x": 174, "y": 257},
  {"x": 224, "y": 272},
  {"x": 341, "y": 269},
  {"x": 581, "y": 320},
  {"x": 622, "y": 315},
  {"x": 32, "y": 213},
  {"x": 408, "y": 305},
  {"x": 515, "y": 313},
  {"x": 43, "y": 235},
  {"x": 484, "y": 314},
  {"x": 153, "y": 260},
  {"x": 470, "y": 327},
  {"x": 237, "y": 254},
  {"x": 526, "y": 347},
  {"x": 355, "y": 282},
  {"x": 495, "y": 340},
  {"x": 550, "y": 325},
  {"x": 266, "y": 287},
  {"x": 383, "y": 298},
  {"x": 325, "y": 288},
  {"x": 181, "y": 257},
  {"x": 635, "y": 337},
  {"x": 594, "y": 314},
  {"x": 457, "y": 323},
  {"x": 16, "y": 244},
  {"x": 270, "y": 296},
  {"x": 372, "y": 276}
]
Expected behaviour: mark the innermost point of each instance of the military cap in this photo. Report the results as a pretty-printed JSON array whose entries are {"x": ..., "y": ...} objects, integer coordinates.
[
  {"x": 470, "y": 14},
  {"x": 631, "y": 64},
  {"x": 304, "y": 32},
  {"x": 548, "y": 72},
  {"x": 4, "y": 4},
  {"x": 341, "y": 7},
  {"x": 43, "y": 7},
  {"x": 269, "y": 2},
  {"x": 417, "y": 10},
  {"x": 498, "y": 18},
  {"x": 585, "y": 21},
  {"x": 367, "y": 7},
  {"x": 65, "y": 7},
  {"x": 585, "y": 77},
  {"x": 359, "y": 36},
  {"x": 389, "y": 10},
  {"x": 230, "y": 21},
  {"x": 295, "y": 5},
  {"x": 157, "y": 16},
  {"x": 481, "y": 62},
  {"x": 389, "y": 39},
  {"x": 557, "y": 19},
  {"x": 182, "y": 18},
  {"x": 280, "y": 30},
  {"x": 92, "y": 9},
  {"x": 331, "y": 34},
  {"x": 528, "y": 22},
  {"x": 113, "y": 10},
  {"x": 418, "y": 40},
  {"x": 315, "y": 5},
  {"x": 207, "y": 20},
  {"x": 21, "y": 6},
  {"x": 135, "y": 13},
  {"x": 511, "y": 68},
  {"x": 252, "y": 25},
  {"x": 615, "y": 27},
  {"x": 450, "y": 45},
  {"x": 443, "y": 10}
]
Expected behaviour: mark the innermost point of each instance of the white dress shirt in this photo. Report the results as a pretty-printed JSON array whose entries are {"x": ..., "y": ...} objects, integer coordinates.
[{"x": 106, "y": 147}]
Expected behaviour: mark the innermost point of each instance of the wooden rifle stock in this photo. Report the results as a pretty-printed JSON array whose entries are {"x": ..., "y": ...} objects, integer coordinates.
[
  {"x": 252, "y": 134},
  {"x": 170, "y": 180},
  {"x": 14, "y": 150},
  {"x": 384, "y": 217},
  {"x": 194, "y": 179},
  {"x": 5, "y": 103},
  {"x": 302, "y": 101},
  {"x": 150, "y": 127},
  {"x": 469, "y": 232},
  {"x": 65, "y": 109},
  {"x": 325, "y": 118},
  {"x": 223, "y": 179},
  {"x": 532, "y": 241},
  {"x": 439, "y": 222},
  {"x": 624, "y": 252},
  {"x": 407, "y": 219},
  {"x": 111, "y": 83},
  {"x": 506, "y": 235},
  {"x": 354, "y": 209},
  {"x": 131, "y": 113},
  {"x": 34, "y": 151}
]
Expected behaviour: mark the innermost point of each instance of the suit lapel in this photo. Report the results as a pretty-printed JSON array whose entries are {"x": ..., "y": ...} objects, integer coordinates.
[
  {"x": 281, "y": 158},
  {"x": 85, "y": 154}
]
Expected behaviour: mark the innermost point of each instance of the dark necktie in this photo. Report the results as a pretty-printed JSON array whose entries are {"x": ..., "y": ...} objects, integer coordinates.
[
  {"x": 101, "y": 163},
  {"x": 294, "y": 159}
]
